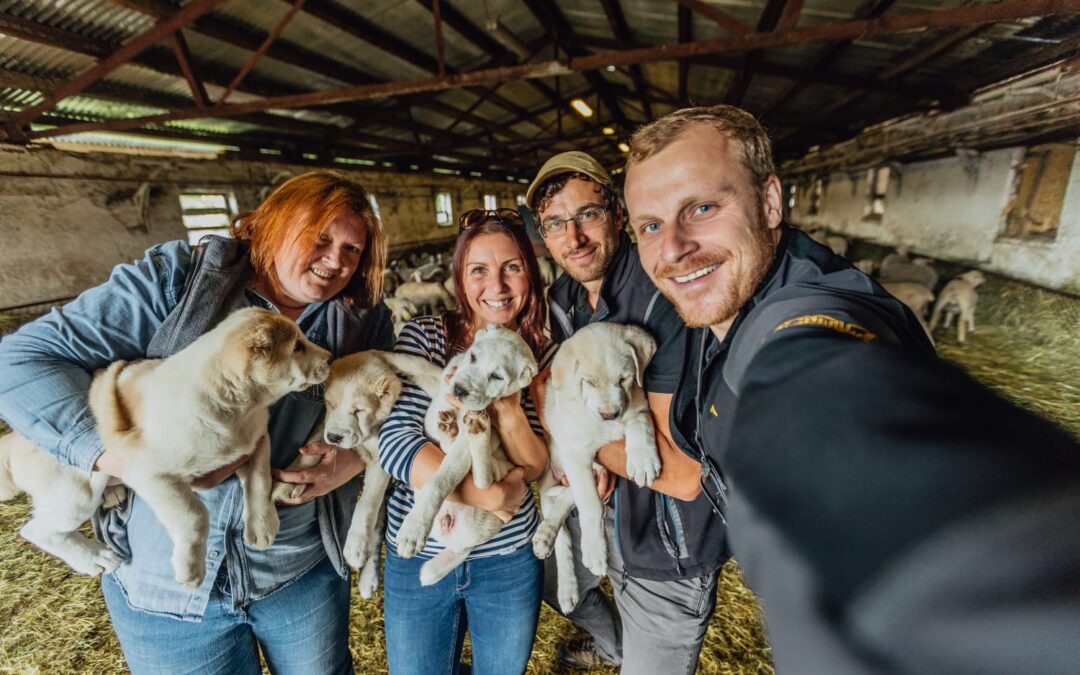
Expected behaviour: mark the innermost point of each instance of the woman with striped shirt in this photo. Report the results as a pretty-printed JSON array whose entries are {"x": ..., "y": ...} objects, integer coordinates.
[{"x": 496, "y": 593}]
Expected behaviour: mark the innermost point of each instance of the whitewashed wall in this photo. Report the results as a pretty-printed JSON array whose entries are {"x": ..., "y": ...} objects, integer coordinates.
[
  {"x": 951, "y": 209},
  {"x": 60, "y": 235}
]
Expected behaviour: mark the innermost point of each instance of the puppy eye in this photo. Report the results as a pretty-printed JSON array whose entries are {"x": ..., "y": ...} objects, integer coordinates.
[
  {"x": 298, "y": 347},
  {"x": 496, "y": 376},
  {"x": 472, "y": 358}
]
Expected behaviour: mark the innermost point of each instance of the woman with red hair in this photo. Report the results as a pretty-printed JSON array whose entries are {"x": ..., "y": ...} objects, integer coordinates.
[
  {"x": 314, "y": 251},
  {"x": 495, "y": 594}
]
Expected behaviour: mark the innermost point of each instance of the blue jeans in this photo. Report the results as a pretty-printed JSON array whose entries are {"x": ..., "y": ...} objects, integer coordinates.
[
  {"x": 303, "y": 627},
  {"x": 497, "y": 599}
]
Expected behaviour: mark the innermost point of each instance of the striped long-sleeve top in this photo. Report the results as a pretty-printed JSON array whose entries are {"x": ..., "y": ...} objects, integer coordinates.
[{"x": 402, "y": 436}]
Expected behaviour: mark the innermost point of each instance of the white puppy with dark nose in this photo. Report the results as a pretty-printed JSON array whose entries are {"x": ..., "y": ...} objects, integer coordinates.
[{"x": 595, "y": 397}]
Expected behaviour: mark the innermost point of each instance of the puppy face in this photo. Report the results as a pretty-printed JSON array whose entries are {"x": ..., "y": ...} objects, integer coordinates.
[
  {"x": 277, "y": 354},
  {"x": 601, "y": 365},
  {"x": 360, "y": 392},
  {"x": 974, "y": 277},
  {"x": 498, "y": 363}
]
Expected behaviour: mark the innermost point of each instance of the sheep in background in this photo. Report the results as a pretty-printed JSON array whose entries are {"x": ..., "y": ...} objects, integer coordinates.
[
  {"x": 866, "y": 266},
  {"x": 449, "y": 285},
  {"x": 390, "y": 282},
  {"x": 837, "y": 244},
  {"x": 959, "y": 298},
  {"x": 401, "y": 309},
  {"x": 919, "y": 271},
  {"x": 916, "y": 296},
  {"x": 900, "y": 256},
  {"x": 426, "y": 295}
]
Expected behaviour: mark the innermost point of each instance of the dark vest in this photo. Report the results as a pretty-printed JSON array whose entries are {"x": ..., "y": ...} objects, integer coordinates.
[{"x": 215, "y": 287}]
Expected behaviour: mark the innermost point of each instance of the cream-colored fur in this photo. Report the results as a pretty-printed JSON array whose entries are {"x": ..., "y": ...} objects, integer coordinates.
[
  {"x": 169, "y": 421},
  {"x": 497, "y": 364},
  {"x": 428, "y": 296},
  {"x": 595, "y": 397},
  {"x": 360, "y": 393},
  {"x": 958, "y": 297}
]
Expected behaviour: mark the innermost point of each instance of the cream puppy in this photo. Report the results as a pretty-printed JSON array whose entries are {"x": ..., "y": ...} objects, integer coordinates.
[
  {"x": 497, "y": 364},
  {"x": 595, "y": 397},
  {"x": 360, "y": 393},
  {"x": 169, "y": 421}
]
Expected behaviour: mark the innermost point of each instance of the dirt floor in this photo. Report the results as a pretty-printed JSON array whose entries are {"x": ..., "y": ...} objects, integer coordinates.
[{"x": 1025, "y": 346}]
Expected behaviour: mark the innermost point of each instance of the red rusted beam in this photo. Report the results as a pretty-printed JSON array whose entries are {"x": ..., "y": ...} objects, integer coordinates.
[
  {"x": 183, "y": 57},
  {"x": 961, "y": 16},
  {"x": 273, "y": 35},
  {"x": 118, "y": 58},
  {"x": 439, "y": 37},
  {"x": 790, "y": 17},
  {"x": 717, "y": 16}
]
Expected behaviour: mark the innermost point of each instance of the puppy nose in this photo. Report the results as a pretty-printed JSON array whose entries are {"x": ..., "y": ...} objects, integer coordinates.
[
  {"x": 608, "y": 416},
  {"x": 334, "y": 439},
  {"x": 459, "y": 391}
]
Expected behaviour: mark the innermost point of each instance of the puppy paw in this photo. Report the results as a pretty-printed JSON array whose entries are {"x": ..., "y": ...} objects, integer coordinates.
[
  {"x": 568, "y": 597},
  {"x": 412, "y": 537},
  {"x": 448, "y": 423},
  {"x": 188, "y": 566},
  {"x": 113, "y": 496},
  {"x": 368, "y": 581},
  {"x": 594, "y": 556},
  {"x": 476, "y": 421},
  {"x": 107, "y": 561},
  {"x": 642, "y": 467},
  {"x": 283, "y": 491},
  {"x": 261, "y": 530},
  {"x": 356, "y": 549},
  {"x": 543, "y": 542}
]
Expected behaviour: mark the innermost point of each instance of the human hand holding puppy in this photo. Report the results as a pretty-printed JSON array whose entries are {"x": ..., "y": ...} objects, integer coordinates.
[
  {"x": 110, "y": 464},
  {"x": 336, "y": 467}
]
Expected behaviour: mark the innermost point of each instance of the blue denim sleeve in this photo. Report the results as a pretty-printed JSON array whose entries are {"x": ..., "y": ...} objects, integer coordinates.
[{"x": 48, "y": 363}]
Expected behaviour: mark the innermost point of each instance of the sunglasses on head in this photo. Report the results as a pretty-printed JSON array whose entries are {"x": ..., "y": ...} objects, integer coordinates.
[{"x": 504, "y": 216}]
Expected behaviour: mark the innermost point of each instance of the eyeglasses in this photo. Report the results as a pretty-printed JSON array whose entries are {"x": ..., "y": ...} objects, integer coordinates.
[
  {"x": 474, "y": 217},
  {"x": 589, "y": 218}
]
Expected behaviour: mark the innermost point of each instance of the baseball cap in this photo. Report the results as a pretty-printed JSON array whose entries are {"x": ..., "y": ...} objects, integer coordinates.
[{"x": 568, "y": 162}]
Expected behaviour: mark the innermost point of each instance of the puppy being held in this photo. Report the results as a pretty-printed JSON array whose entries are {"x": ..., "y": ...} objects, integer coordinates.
[
  {"x": 169, "y": 421},
  {"x": 595, "y": 397},
  {"x": 360, "y": 393},
  {"x": 498, "y": 364}
]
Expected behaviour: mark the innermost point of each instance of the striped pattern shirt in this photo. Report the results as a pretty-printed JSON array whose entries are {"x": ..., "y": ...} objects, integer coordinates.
[{"x": 402, "y": 436}]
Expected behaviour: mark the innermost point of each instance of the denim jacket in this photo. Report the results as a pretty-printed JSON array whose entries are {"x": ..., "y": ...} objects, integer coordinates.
[{"x": 47, "y": 367}]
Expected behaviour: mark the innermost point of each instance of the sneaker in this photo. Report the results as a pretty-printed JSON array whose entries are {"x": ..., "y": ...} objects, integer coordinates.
[{"x": 580, "y": 653}]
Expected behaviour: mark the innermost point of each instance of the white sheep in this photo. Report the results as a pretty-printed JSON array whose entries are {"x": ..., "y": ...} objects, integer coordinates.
[
  {"x": 958, "y": 298},
  {"x": 919, "y": 271},
  {"x": 866, "y": 266},
  {"x": 900, "y": 256},
  {"x": 426, "y": 295}
]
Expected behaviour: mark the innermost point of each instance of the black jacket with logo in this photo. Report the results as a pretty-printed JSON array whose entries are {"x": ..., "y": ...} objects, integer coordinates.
[{"x": 660, "y": 537}]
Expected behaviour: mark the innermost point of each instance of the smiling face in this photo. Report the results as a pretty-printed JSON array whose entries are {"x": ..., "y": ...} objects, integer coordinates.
[
  {"x": 705, "y": 235},
  {"x": 584, "y": 253},
  {"x": 322, "y": 272},
  {"x": 495, "y": 282}
]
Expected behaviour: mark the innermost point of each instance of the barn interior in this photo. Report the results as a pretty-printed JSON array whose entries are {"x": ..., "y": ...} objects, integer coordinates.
[{"x": 946, "y": 129}]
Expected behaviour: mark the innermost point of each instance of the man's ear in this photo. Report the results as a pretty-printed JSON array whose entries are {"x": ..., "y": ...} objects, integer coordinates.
[
  {"x": 772, "y": 201},
  {"x": 642, "y": 348}
]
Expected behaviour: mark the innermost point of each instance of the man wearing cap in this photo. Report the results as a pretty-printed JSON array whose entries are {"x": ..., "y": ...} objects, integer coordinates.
[{"x": 666, "y": 543}]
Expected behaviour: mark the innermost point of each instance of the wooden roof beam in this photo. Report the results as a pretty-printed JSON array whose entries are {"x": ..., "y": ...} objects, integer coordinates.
[
  {"x": 769, "y": 20},
  {"x": 297, "y": 5},
  {"x": 717, "y": 16},
  {"x": 183, "y": 59},
  {"x": 955, "y": 17},
  {"x": 686, "y": 34},
  {"x": 124, "y": 54},
  {"x": 621, "y": 30}
]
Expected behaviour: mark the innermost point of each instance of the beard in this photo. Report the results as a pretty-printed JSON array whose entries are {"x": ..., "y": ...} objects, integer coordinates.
[
  {"x": 724, "y": 302},
  {"x": 595, "y": 269}
]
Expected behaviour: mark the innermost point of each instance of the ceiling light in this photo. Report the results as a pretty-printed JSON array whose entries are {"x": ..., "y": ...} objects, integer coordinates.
[
  {"x": 624, "y": 147},
  {"x": 581, "y": 107},
  {"x": 611, "y": 69},
  {"x": 608, "y": 131}
]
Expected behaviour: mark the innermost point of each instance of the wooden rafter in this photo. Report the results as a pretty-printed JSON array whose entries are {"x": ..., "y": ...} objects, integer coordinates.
[
  {"x": 686, "y": 34},
  {"x": 769, "y": 20},
  {"x": 162, "y": 29},
  {"x": 956, "y": 17},
  {"x": 183, "y": 59},
  {"x": 297, "y": 5},
  {"x": 621, "y": 30},
  {"x": 717, "y": 16}
]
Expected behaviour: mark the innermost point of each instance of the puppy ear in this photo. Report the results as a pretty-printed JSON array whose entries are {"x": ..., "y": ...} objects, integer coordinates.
[
  {"x": 382, "y": 387},
  {"x": 261, "y": 340},
  {"x": 525, "y": 377},
  {"x": 642, "y": 348}
]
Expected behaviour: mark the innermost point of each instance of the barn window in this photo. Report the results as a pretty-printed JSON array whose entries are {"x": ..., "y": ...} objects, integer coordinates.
[
  {"x": 1038, "y": 192},
  {"x": 444, "y": 210},
  {"x": 206, "y": 213},
  {"x": 878, "y": 178},
  {"x": 491, "y": 202}
]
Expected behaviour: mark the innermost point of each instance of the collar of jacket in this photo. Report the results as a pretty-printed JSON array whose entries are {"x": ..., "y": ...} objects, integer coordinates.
[{"x": 562, "y": 292}]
